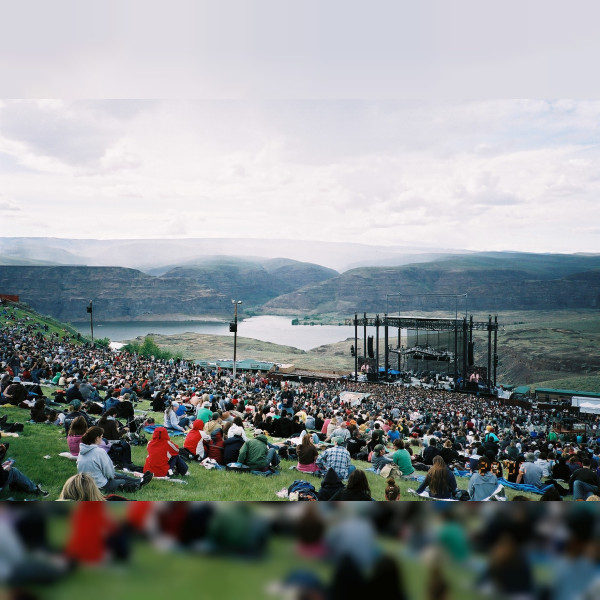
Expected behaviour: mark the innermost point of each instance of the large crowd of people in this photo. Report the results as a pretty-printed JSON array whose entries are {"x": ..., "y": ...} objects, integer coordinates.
[{"x": 415, "y": 433}]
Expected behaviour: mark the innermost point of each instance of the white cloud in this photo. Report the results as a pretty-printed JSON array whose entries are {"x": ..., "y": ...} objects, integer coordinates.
[{"x": 372, "y": 172}]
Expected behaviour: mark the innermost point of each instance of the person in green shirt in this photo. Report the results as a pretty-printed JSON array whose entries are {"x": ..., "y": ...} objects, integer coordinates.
[{"x": 402, "y": 458}]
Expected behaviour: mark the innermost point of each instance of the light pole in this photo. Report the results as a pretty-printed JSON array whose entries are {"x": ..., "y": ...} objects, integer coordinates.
[
  {"x": 233, "y": 328},
  {"x": 90, "y": 309}
]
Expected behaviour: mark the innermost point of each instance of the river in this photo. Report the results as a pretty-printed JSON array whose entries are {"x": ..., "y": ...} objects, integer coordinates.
[{"x": 278, "y": 330}]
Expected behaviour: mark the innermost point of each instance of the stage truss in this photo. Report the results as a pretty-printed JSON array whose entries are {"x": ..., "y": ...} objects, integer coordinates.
[{"x": 440, "y": 345}]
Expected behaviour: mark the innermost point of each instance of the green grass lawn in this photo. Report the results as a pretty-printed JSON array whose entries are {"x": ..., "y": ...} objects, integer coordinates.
[{"x": 39, "y": 441}]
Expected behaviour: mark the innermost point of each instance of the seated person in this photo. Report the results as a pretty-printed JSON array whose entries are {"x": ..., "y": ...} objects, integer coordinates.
[
  {"x": 402, "y": 458},
  {"x": 38, "y": 412},
  {"x": 163, "y": 455},
  {"x": 440, "y": 480},
  {"x": 108, "y": 422},
  {"x": 483, "y": 482},
  {"x": 81, "y": 487},
  {"x": 78, "y": 428},
  {"x": 233, "y": 445},
  {"x": 196, "y": 441},
  {"x": 431, "y": 451},
  {"x": 379, "y": 458},
  {"x": 13, "y": 479},
  {"x": 336, "y": 458},
  {"x": 94, "y": 460},
  {"x": 256, "y": 454},
  {"x": 307, "y": 455},
  {"x": 357, "y": 488}
]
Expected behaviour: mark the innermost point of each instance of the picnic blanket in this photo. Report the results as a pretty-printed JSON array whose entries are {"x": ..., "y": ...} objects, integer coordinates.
[
  {"x": 462, "y": 473},
  {"x": 524, "y": 487},
  {"x": 172, "y": 432},
  {"x": 417, "y": 478}
]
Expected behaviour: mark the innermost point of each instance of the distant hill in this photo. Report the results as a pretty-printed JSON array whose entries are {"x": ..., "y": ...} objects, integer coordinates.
[
  {"x": 128, "y": 294},
  {"x": 205, "y": 287},
  {"x": 253, "y": 281},
  {"x": 157, "y": 256},
  {"x": 492, "y": 281}
]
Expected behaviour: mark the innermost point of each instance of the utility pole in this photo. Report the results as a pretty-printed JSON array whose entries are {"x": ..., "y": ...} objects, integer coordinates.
[
  {"x": 233, "y": 328},
  {"x": 90, "y": 309}
]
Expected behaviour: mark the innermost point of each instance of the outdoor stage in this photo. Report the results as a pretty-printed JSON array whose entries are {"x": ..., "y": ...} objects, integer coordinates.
[{"x": 442, "y": 346}]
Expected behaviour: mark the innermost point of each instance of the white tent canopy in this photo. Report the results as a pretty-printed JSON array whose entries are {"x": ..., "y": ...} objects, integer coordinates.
[
  {"x": 354, "y": 398},
  {"x": 586, "y": 405}
]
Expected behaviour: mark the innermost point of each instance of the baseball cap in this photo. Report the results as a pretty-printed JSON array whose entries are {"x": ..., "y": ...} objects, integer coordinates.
[{"x": 378, "y": 448}]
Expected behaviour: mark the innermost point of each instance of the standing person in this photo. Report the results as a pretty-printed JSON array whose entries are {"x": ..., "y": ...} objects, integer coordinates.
[
  {"x": 94, "y": 460},
  {"x": 440, "y": 480},
  {"x": 163, "y": 455}
]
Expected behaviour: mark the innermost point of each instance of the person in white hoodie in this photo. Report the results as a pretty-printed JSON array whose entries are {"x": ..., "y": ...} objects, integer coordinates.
[
  {"x": 94, "y": 460},
  {"x": 237, "y": 429}
]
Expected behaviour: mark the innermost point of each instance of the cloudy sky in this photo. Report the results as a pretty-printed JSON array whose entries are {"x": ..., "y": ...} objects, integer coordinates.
[{"x": 271, "y": 148}]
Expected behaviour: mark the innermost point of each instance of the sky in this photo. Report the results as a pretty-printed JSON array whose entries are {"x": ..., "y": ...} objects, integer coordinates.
[{"x": 403, "y": 125}]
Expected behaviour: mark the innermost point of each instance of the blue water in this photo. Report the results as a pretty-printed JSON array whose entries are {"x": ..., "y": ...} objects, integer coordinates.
[{"x": 278, "y": 330}]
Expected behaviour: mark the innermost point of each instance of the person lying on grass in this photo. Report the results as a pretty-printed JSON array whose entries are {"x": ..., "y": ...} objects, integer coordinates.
[{"x": 13, "y": 478}]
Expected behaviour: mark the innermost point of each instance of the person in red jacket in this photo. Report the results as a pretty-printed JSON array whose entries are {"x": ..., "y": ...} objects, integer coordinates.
[
  {"x": 163, "y": 455},
  {"x": 196, "y": 441},
  {"x": 91, "y": 526},
  {"x": 216, "y": 446}
]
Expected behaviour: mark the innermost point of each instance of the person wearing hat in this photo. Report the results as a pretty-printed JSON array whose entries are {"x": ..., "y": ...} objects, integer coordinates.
[
  {"x": 15, "y": 393},
  {"x": 530, "y": 473},
  {"x": 336, "y": 458},
  {"x": 379, "y": 459},
  {"x": 256, "y": 454}
]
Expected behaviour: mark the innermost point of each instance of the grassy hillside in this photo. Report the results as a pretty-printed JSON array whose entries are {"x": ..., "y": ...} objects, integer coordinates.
[{"x": 37, "y": 450}]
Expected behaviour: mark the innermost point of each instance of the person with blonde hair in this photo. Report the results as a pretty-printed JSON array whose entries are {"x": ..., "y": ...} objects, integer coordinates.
[{"x": 81, "y": 487}]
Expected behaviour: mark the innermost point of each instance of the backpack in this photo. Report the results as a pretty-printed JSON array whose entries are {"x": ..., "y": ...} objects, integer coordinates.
[
  {"x": 120, "y": 453},
  {"x": 304, "y": 490}
]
